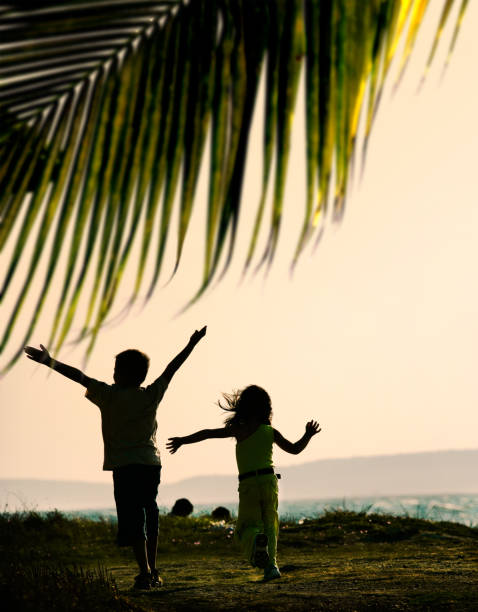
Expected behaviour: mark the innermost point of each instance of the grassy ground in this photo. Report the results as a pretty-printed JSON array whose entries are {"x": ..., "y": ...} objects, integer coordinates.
[{"x": 342, "y": 561}]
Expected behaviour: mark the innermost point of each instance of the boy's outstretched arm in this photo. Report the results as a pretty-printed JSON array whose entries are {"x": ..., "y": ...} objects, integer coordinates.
[
  {"x": 181, "y": 357},
  {"x": 42, "y": 356},
  {"x": 199, "y": 436},
  {"x": 295, "y": 448}
]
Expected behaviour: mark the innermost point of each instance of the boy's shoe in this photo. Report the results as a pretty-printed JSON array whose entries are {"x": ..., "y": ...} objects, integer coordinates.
[
  {"x": 260, "y": 555},
  {"x": 156, "y": 580},
  {"x": 142, "y": 582},
  {"x": 271, "y": 573}
]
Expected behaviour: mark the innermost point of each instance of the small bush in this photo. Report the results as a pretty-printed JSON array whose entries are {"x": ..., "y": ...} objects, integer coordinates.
[{"x": 47, "y": 588}]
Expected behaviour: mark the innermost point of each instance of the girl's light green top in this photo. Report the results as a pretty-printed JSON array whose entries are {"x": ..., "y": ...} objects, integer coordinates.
[{"x": 255, "y": 452}]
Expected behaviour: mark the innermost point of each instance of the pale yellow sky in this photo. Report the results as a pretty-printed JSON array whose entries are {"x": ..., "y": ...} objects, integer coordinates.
[{"x": 374, "y": 335}]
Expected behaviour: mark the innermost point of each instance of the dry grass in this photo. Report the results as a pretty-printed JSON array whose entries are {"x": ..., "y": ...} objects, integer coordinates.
[{"x": 342, "y": 561}]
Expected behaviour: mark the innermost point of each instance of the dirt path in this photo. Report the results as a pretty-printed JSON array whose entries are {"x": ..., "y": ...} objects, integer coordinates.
[{"x": 426, "y": 573}]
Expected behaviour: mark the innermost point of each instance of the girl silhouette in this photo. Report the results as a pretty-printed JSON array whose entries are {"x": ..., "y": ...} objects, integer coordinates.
[{"x": 249, "y": 422}]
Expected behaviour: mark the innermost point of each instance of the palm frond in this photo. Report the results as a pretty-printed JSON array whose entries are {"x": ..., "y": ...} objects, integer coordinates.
[{"x": 106, "y": 108}]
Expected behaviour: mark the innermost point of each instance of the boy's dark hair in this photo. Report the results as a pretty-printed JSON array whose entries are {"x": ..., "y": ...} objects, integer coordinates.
[
  {"x": 131, "y": 367},
  {"x": 253, "y": 401}
]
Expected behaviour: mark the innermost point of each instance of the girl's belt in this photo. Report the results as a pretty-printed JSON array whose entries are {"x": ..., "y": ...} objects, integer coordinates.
[{"x": 260, "y": 472}]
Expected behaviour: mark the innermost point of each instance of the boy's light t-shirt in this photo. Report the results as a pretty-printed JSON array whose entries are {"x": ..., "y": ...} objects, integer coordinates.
[{"x": 128, "y": 421}]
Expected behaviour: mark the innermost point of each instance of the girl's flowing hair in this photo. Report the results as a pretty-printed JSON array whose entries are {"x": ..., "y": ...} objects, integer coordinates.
[{"x": 251, "y": 402}]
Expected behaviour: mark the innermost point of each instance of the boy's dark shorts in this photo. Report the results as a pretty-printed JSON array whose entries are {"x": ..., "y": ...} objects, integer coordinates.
[{"x": 135, "y": 491}]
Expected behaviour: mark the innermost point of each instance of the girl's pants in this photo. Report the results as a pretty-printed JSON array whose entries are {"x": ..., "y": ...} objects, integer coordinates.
[{"x": 258, "y": 513}]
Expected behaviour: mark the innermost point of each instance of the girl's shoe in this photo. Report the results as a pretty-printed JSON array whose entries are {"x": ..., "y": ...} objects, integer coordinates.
[
  {"x": 156, "y": 580},
  {"x": 260, "y": 555},
  {"x": 271, "y": 573}
]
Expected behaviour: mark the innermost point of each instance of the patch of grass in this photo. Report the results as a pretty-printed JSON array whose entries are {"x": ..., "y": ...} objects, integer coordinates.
[
  {"x": 50, "y": 562},
  {"x": 341, "y": 560},
  {"x": 347, "y": 527},
  {"x": 35, "y": 536},
  {"x": 52, "y": 588},
  {"x": 178, "y": 532}
]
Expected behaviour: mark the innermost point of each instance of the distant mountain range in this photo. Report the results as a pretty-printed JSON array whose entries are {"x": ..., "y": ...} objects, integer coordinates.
[{"x": 438, "y": 472}]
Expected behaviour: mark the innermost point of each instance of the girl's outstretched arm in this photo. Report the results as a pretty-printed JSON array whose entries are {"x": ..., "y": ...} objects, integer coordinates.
[
  {"x": 199, "y": 436},
  {"x": 295, "y": 448}
]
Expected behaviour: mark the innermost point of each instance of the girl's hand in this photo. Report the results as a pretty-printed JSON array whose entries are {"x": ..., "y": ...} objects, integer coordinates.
[
  {"x": 40, "y": 355},
  {"x": 312, "y": 428},
  {"x": 174, "y": 444}
]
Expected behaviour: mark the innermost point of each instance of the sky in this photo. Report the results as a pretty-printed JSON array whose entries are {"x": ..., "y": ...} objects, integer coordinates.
[{"x": 374, "y": 334}]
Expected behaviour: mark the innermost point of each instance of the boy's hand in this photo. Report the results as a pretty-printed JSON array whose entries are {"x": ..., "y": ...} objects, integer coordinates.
[
  {"x": 174, "y": 444},
  {"x": 198, "y": 335},
  {"x": 40, "y": 355},
  {"x": 312, "y": 428}
]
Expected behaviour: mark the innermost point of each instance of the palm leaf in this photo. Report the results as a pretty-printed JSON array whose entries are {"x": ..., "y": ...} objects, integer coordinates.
[{"x": 105, "y": 110}]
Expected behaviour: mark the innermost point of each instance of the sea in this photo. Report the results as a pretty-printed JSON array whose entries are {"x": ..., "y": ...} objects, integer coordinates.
[{"x": 454, "y": 507}]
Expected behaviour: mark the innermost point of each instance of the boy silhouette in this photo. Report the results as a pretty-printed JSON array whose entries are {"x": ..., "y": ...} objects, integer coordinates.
[{"x": 128, "y": 424}]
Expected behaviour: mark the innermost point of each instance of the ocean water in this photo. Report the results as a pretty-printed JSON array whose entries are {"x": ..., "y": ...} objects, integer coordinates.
[{"x": 453, "y": 507}]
